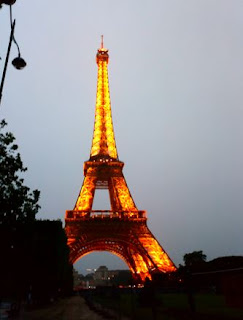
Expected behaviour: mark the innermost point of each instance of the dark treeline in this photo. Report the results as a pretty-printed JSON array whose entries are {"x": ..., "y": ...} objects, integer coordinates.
[
  {"x": 34, "y": 264},
  {"x": 34, "y": 254}
]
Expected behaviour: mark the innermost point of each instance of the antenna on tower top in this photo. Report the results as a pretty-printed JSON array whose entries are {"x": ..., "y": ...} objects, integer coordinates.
[{"x": 102, "y": 44}]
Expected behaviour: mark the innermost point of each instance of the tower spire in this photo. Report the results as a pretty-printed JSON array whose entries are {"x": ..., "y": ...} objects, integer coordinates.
[
  {"x": 102, "y": 41},
  {"x": 103, "y": 144}
]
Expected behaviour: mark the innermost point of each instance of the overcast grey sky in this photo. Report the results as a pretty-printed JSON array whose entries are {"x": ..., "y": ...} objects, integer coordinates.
[{"x": 176, "y": 82}]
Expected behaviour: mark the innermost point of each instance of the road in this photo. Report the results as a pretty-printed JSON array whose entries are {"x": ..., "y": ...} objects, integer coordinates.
[{"x": 73, "y": 308}]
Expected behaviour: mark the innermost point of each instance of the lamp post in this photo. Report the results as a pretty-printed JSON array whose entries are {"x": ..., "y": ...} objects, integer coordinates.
[
  {"x": 18, "y": 62},
  {"x": 6, "y": 60}
]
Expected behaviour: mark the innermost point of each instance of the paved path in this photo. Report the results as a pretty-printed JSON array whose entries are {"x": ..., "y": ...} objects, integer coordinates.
[{"x": 73, "y": 308}]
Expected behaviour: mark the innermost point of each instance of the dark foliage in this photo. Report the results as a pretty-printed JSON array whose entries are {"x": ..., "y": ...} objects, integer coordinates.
[
  {"x": 17, "y": 203},
  {"x": 224, "y": 263},
  {"x": 124, "y": 277},
  {"x": 35, "y": 262},
  {"x": 194, "y": 259}
]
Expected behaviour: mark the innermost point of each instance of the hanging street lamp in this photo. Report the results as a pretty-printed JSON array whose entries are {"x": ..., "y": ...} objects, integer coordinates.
[{"x": 17, "y": 62}]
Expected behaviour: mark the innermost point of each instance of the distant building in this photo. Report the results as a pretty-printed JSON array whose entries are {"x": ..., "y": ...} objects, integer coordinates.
[
  {"x": 101, "y": 277},
  {"x": 77, "y": 279},
  {"x": 105, "y": 277},
  {"x": 102, "y": 273}
]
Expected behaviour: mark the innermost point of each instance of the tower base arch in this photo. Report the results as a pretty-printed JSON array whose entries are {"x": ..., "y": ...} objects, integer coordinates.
[{"x": 129, "y": 239}]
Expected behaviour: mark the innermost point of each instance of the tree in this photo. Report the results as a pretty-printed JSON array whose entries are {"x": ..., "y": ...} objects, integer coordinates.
[
  {"x": 38, "y": 247},
  {"x": 195, "y": 258},
  {"x": 35, "y": 261},
  {"x": 17, "y": 203},
  {"x": 47, "y": 260}
]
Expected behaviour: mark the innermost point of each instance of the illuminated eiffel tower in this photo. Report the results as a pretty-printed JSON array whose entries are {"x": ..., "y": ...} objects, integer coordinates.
[{"x": 123, "y": 229}]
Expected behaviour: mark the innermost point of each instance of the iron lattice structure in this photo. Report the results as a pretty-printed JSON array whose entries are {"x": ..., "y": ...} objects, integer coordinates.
[{"x": 123, "y": 229}]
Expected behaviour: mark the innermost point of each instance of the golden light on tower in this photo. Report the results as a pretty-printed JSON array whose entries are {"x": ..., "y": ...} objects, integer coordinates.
[
  {"x": 123, "y": 229},
  {"x": 103, "y": 137}
]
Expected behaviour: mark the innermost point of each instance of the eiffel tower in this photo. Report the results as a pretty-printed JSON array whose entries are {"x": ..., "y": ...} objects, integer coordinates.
[{"x": 122, "y": 230}]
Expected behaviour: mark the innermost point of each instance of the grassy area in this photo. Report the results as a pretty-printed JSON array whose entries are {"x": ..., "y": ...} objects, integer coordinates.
[
  {"x": 172, "y": 307},
  {"x": 215, "y": 305}
]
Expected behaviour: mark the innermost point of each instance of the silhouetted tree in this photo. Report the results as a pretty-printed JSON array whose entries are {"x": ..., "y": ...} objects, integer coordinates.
[
  {"x": 194, "y": 258},
  {"x": 50, "y": 273},
  {"x": 224, "y": 263},
  {"x": 35, "y": 261},
  {"x": 17, "y": 203},
  {"x": 124, "y": 277},
  {"x": 35, "y": 255}
]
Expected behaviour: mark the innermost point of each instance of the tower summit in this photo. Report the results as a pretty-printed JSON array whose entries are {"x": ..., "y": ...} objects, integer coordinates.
[
  {"x": 123, "y": 229},
  {"x": 103, "y": 144}
]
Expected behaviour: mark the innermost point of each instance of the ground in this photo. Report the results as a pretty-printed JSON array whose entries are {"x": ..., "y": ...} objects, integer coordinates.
[{"x": 73, "y": 308}]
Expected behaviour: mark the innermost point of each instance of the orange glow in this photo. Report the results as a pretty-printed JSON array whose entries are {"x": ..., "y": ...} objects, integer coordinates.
[
  {"x": 85, "y": 199},
  {"x": 103, "y": 137},
  {"x": 123, "y": 229},
  {"x": 141, "y": 266},
  {"x": 125, "y": 199},
  {"x": 157, "y": 255}
]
